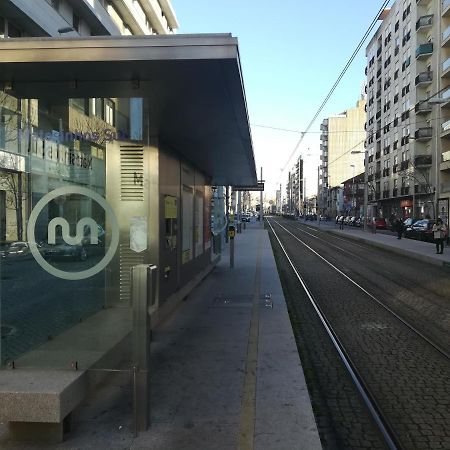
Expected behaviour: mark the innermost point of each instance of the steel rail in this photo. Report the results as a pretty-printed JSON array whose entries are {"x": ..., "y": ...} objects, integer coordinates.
[
  {"x": 379, "y": 302},
  {"x": 368, "y": 398}
]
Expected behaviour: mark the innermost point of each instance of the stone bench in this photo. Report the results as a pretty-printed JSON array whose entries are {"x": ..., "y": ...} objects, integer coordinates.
[{"x": 39, "y": 395}]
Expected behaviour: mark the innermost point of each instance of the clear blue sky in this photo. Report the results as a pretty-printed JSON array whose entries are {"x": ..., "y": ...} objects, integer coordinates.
[{"x": 291, "y": 54}]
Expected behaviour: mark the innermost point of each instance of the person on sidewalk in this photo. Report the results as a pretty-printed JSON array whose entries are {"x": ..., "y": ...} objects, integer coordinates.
[
  {"x": 439, "y": 232},
  {"x": 341, "y": 223},
  {"x": 399, "y": 228}
]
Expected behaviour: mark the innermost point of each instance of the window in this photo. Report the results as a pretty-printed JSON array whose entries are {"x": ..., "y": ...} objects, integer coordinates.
[
  {"x": 2, "y": 27},
  {"x": 109, "y": 112}
]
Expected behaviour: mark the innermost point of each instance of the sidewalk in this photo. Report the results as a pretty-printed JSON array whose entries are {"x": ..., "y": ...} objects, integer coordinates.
[
  {"x": 226, "y": 371},
  {"x": 423, "y": 251}
]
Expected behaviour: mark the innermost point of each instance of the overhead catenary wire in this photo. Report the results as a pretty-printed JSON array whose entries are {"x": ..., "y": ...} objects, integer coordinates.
[{"x": 336, "y": 83}]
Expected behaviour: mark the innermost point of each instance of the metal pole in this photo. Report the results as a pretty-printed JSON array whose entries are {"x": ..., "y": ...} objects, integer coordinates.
[
  {"x": 231, "y": 253},
  {"x": 318, "y": 186},
  {"x": 143, "y": 294},
  {"x": 239, "y": 214},
  {"x": 227, "y": 209}
]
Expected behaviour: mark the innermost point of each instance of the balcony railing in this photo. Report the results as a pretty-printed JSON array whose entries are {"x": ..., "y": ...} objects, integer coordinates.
[
  {"x": 423, "y": 133},
  {"x": 424, "y": 21},
  {"x": 422, "y": 160},
  {"x": 446, "y": 34},
  {"x": 422, "y": 107},
  {"x": 424, "y": 77},
  {"x": 424, "y": 50},
  {"x": 446, "y": 65}
]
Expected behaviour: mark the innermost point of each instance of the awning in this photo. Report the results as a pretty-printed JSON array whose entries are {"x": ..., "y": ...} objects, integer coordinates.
[{"x": 194, "y": 84}]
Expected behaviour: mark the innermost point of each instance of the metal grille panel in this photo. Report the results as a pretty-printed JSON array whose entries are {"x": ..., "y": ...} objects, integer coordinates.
[
  {"x": 128, "y": 259},
  {"x": 132, "y": 173}
]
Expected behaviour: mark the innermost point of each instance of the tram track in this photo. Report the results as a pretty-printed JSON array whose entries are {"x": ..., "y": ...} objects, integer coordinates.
[{"x": 387, "y": 403}]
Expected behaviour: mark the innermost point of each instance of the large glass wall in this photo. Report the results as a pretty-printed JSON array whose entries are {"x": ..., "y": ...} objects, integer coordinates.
[{"x": 58, "y": 232}]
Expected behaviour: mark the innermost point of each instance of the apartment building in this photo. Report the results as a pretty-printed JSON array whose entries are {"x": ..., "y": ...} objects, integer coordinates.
[
  {"x": 295, "y": 189},
  {"x": 342, "y": 154},
  {"x": 407, "y": 111}
]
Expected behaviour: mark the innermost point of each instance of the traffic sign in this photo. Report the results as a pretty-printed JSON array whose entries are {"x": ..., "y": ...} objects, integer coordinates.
[{"x": 258, "y": 187}]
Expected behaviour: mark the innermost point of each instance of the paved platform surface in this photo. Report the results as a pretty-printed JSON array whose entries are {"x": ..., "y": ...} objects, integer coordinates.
[
  {"x": 226, "y": 371},
  {"x": 423, "y": 251}
]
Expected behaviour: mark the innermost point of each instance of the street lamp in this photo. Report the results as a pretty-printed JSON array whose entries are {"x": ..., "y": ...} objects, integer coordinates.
[{"x": 366, "y": 182}]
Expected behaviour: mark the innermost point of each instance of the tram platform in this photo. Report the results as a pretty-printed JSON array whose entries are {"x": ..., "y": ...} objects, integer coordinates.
[{"x": 225, "y": 370}]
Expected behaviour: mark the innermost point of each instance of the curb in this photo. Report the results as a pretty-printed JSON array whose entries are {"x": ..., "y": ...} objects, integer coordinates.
[{"x": 399, "y": 251}]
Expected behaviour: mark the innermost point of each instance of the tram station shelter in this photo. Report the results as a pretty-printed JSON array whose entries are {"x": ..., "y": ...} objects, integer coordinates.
[{"x": 110, "y": 152}]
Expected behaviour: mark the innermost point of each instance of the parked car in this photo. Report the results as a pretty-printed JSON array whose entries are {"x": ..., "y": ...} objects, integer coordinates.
[
  {"x": 421, "y": 230},
  {"x": 379, "y": 222},
  {"x": 17, "y": 250},
  {"x": 359, "y": 222},
  {"x": 352, "y": 221},
  {"x": 347, "y": 220}
]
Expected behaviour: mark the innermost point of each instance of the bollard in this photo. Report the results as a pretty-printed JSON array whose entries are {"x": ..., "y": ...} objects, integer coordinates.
[
  {"x": 143, "y": 295},
  {"x": 231, "y": 234}
]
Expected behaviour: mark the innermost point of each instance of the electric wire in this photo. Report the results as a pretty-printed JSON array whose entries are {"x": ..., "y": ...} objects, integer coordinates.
[{"x": 336, "y": 83}]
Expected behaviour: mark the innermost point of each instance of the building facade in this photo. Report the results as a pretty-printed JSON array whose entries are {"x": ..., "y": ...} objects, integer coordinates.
[
  {"x": 342, "y": 153},
  {"x": 407, "y": 129}
]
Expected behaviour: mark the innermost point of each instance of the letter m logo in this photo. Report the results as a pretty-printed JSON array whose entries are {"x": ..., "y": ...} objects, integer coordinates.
[{"x": 65, "y": 230}]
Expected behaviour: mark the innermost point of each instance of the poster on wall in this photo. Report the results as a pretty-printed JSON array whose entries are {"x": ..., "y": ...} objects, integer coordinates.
[{"x": 443, "y": 209}]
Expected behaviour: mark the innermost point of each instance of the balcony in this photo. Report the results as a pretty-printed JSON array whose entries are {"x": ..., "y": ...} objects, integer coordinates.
[
  {"x": 446, "y": 67},
  {"x": 424, "y": 78},
  {"x": 422, "y": 108},
  {"x": 422, "y": 161},
  {"x": 424, "y": 50},
  {"x": 445, "y": 8},
  {"x": 404, "y": 164},
  {"x": 423, "y": 134},
  {"x": 445, "y": 37},
  {"x": 424, "y": 22},
  {"x": 386, "y": 172}
]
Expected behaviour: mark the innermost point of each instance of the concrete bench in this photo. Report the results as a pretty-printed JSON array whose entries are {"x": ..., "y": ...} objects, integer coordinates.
[
  {"x": 37, "y": 403},
  {"x": 39, "y": 395}
]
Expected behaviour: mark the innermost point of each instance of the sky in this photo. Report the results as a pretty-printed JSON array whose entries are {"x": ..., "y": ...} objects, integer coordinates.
[{"x": 291, "y": 54}]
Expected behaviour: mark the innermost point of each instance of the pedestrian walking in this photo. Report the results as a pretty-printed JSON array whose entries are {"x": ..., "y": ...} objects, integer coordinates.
[
  {"x": 341, "y": 223},
  {"x": 399, "y": 228},
  {"x": 439, "y": 232}
]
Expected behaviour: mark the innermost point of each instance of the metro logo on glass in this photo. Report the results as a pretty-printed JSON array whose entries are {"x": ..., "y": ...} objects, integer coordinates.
[{"x": 81, "y": 236}]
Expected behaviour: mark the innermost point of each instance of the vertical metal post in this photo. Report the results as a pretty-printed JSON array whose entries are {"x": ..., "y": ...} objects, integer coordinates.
[
  {"x": 239, "y": 212},
  {"x": 231, "y": 253},
  {"x": 261, "y": 202},
  {"x": 366, "y": 189},
  {"x": 227, "y": 209},
  {"x": 143, "y": 294},
  {"x": 317, "y": 199}
]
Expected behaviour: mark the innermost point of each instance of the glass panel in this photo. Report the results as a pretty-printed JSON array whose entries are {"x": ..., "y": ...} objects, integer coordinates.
[{"x": 65, "y": 294}]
